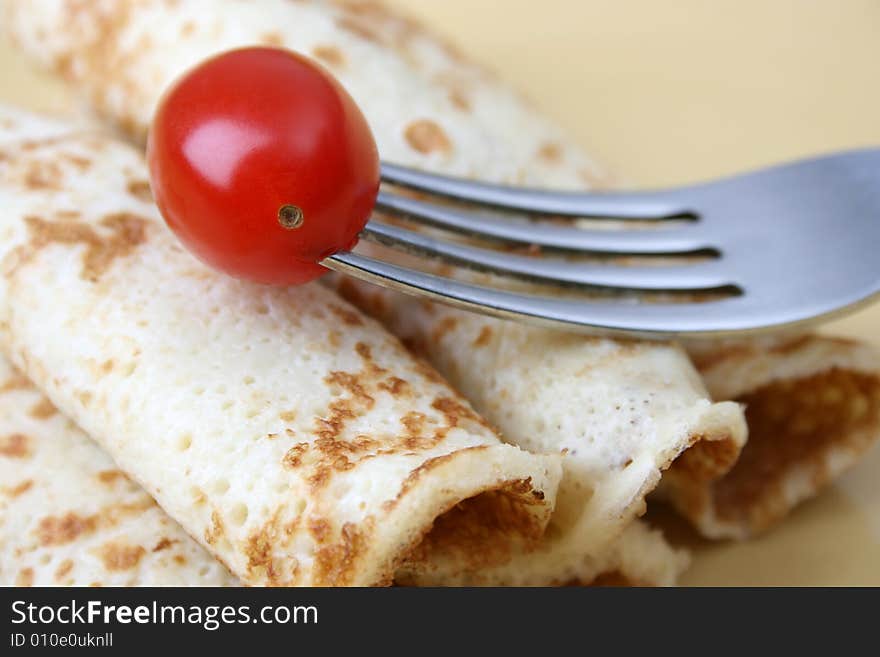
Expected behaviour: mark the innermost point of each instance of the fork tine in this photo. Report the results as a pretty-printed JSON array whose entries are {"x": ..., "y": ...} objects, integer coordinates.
[
  {"x": 651, "y": 241},
  {"x": 654, "y": 321},
  {"x": 695, "y": 277},
  {"x": 617, "y": 205}
]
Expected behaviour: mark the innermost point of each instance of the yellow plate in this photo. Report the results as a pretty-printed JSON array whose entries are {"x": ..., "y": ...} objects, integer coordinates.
[{"x": 675, "y": 92}]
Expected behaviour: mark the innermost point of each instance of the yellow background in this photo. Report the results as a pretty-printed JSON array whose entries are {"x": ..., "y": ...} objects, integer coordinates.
[{"x": 676, "y": 91}]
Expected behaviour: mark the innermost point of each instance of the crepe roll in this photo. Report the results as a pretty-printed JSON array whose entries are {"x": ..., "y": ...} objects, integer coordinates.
[
  {"x": 293, "y": 437},
  {"x": 70, "y": 517}
]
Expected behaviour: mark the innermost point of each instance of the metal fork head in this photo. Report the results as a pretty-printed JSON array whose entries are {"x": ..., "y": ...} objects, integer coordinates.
[{"x": 781, "y": 247}]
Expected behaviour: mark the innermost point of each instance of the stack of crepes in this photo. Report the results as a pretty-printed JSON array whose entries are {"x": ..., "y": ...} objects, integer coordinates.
[{"x": 293, "y": 437}]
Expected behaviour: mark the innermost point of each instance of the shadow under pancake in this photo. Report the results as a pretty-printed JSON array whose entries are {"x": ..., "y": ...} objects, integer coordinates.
[{"x": 832, "y": 540}]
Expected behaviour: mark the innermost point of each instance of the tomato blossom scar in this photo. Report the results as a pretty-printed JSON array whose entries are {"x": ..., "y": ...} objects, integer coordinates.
[{"x": 290, "y": 217}]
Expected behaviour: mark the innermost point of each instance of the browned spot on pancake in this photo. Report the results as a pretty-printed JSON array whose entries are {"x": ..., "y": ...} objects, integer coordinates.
[
  {"x": 395, "y": 386},
  {"x": 262, "y": 565},
  {"x": 42, "y": 175},
  {"x": 456, "y": 87},
  {"x": 274, "y": 39},
  {"x": 19, "y": 489},
  {"x": 43, "y": 409},
  {"x": 363, "y": 350},
  {"x": 140, "y": 189},
  {"x": 417, "y": 473},
  {"x": 330, "y": 55},
  {"x": 459, "y": 99},
  {"x": 84, "y": 397},
  {"x": 131, "y": 125},
  {"x": 113, "y": 514},
  {"x": 443, "y": 327},
  {"x": 187, "y": 29},
  {"x": 163, "y": 544},
  {"x": 336, "y": 563},
  {"x": 550, "y": 152},
  {"x": 366, "y": 8},
  {"x": 64, "y": 65},
  {"x": 63, "y": 570},
  {"x": 483, "y": 338},
  {"x": 414, "y": 427},
  {"x": 180, "y": 560},
  {"x": 356, "y": 387},
  {"x": 346, "y": 316},
  {"x": 326, "y": 468},
  {"x": 293, "y": 458},
  {"x": 25, "y": 577},
  {"x": 456, "y": 410},
  {"x": 59, "y": 530},
  {"x": 31, "y": 145},
  {"x": 15, "y": 446},
  {"x": 110, "y": 477},
  {"x": 335, "y": 450},
  {"x": 78, "y": 161},
  {"x": 216, "y": 531},
  {"x": 287, "y": 416},
  {"x": 426, "y": 136},
  {"x": 119, "y": 556},
  {"x": 17, "y": 381},
  {"x": 793, "y": 425},
  {"x": 359, "y": 27},
  {"x": 427, "y": 371},
  {"x": 334, "y": 339},
  {"x": 127, "y": 231},
  {"x": 319, "y": 528},
  {"x": 329, "y": 429}
]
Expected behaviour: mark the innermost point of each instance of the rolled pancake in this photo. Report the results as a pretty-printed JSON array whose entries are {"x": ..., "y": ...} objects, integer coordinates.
[
  {"x": 619, "y": 411},
  {"x": 292, "y": 436},
  {"x": 813, "y": 408},
  {"x": 70, "y": 517}
]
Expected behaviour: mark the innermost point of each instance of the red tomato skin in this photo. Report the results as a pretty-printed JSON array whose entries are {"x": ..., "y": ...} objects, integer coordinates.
[{"x": 247, "y": 132}]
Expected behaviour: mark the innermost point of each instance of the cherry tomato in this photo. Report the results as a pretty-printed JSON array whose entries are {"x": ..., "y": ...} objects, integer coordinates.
[{"x": 262, "y": 164}]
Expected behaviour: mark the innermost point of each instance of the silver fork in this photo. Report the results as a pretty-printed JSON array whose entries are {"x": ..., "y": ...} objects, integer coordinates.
[{"x": 782, "y": 246}]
